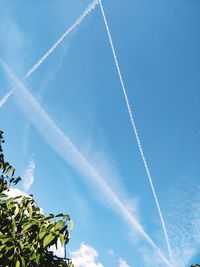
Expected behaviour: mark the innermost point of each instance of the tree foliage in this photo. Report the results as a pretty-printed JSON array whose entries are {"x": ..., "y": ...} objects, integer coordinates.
[{"x": 25, "y": 233}]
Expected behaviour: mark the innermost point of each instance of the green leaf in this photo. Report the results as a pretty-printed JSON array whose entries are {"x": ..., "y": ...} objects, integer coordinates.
[
  {"x": 37, "y": 258},
  {"x": 5, "y": 239},
  {"x": 66, "y": 217},
  {"x": 27, "y": 226},
  {"x": 8, "y": 170},
  {"x": 3, "y": 195},
  {"x": 48, "y": 239},
  {"x": 33, "y": 256},
  {"x": 71, "y": 225},
  {"x": 30, "y": 210},
  {"x": 42, "y": 234},
  {"x": 23, "y": 261},
  {"x": 17, "y": 264},
  {"x": 59, "y": 225},
  {"x": 21, "y": 246},
  {"x": 13, "y": 172},
  {"x": 16, "y": 210},
  {"x": 2, "y": 247},
  {"x": 11, "y": 257}
]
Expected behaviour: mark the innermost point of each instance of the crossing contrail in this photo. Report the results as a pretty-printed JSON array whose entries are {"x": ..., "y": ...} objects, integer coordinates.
[
  {"x": 135, "y": 131},
  {"x": 87, "y": 11},
  {"x": 64, "y": 147},
  {"x": 4, "y": 99}
]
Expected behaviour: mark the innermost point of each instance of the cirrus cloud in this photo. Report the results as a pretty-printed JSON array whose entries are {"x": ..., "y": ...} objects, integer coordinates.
[{"x": 28, "y": 177}]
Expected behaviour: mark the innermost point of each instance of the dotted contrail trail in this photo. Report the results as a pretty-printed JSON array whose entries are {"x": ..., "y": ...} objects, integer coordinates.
[
  {"x": 131, "y": 115},
  {"x": 87, "y": 11},
  {"x": 64, "y": 147}
]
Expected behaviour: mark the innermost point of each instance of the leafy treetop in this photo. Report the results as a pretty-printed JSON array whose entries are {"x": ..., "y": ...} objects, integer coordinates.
[{"x": 25, "y": 233}]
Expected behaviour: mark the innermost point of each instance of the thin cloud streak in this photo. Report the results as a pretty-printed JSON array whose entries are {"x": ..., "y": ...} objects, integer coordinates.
[
  {"x": 87, "y": 11},
  {"x": 4, "y": 99},
  {"x": 69, "y": 152},
  {"x": 135, "y": 132},
  {"x": 28, "y": 177}
]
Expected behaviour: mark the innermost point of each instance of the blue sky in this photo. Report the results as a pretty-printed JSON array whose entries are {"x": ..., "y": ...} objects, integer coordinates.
[{"x": 79, "y": 98}]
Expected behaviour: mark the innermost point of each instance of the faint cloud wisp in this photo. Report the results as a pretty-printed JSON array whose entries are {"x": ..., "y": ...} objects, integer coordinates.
[
  {"x": 4, "y": 99},
  {"x": 28, "y": 177}
]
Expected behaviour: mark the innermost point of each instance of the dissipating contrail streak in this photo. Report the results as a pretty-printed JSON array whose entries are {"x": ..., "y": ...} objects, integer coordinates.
[
  {"x": 87, "y": 11},
  {"x": 133, "y": 123},
  {"x": 70, "y": 153},
  {"x": 4, "y": 99}
]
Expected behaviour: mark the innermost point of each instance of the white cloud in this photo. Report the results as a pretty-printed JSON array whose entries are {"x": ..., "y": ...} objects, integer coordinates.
[
  {"x": 14, "y": 192},
  {"x": 123, "y": 263},
  {"x": 59, "y": 251},
  {"x": 28, "y": 177},
  {"x": 86, "y": 256}
]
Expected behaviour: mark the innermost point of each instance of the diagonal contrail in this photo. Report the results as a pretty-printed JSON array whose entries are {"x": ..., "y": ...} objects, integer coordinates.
[
  {"x": 135, "y": 131},
  {"x": 70, "y": 153},
  {"x": 87, "y": 11},
  {"x": 4, "y": 99}
]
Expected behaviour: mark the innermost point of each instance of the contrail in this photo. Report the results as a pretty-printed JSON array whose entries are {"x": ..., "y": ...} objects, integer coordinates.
[
  {"x": 70, "y": 153},
  {"x": 4, "y": 99},
  {"x": 87, "y": 11},
  {"x": 135, "y": 131}
]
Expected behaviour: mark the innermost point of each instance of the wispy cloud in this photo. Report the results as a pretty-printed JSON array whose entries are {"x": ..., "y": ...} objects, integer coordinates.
[
  {"x": 85, "y": 256},
  {"x": 183, "y": 209},
  {"x": 28, "y": 177},
  {"x": 70, "y": 153},
  {"x": 4, "y": 99},
  {"x": 184, "y": 218},
  {"x": 123, "y": 263}
]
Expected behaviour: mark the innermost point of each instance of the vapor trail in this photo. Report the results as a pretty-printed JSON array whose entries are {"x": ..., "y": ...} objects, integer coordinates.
[
  {"x": 135, "y": 131},
  {"x": 87, "y": 11},
  {"x": 70, "y": 153},
  {"x": 4, "y": 99}
]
